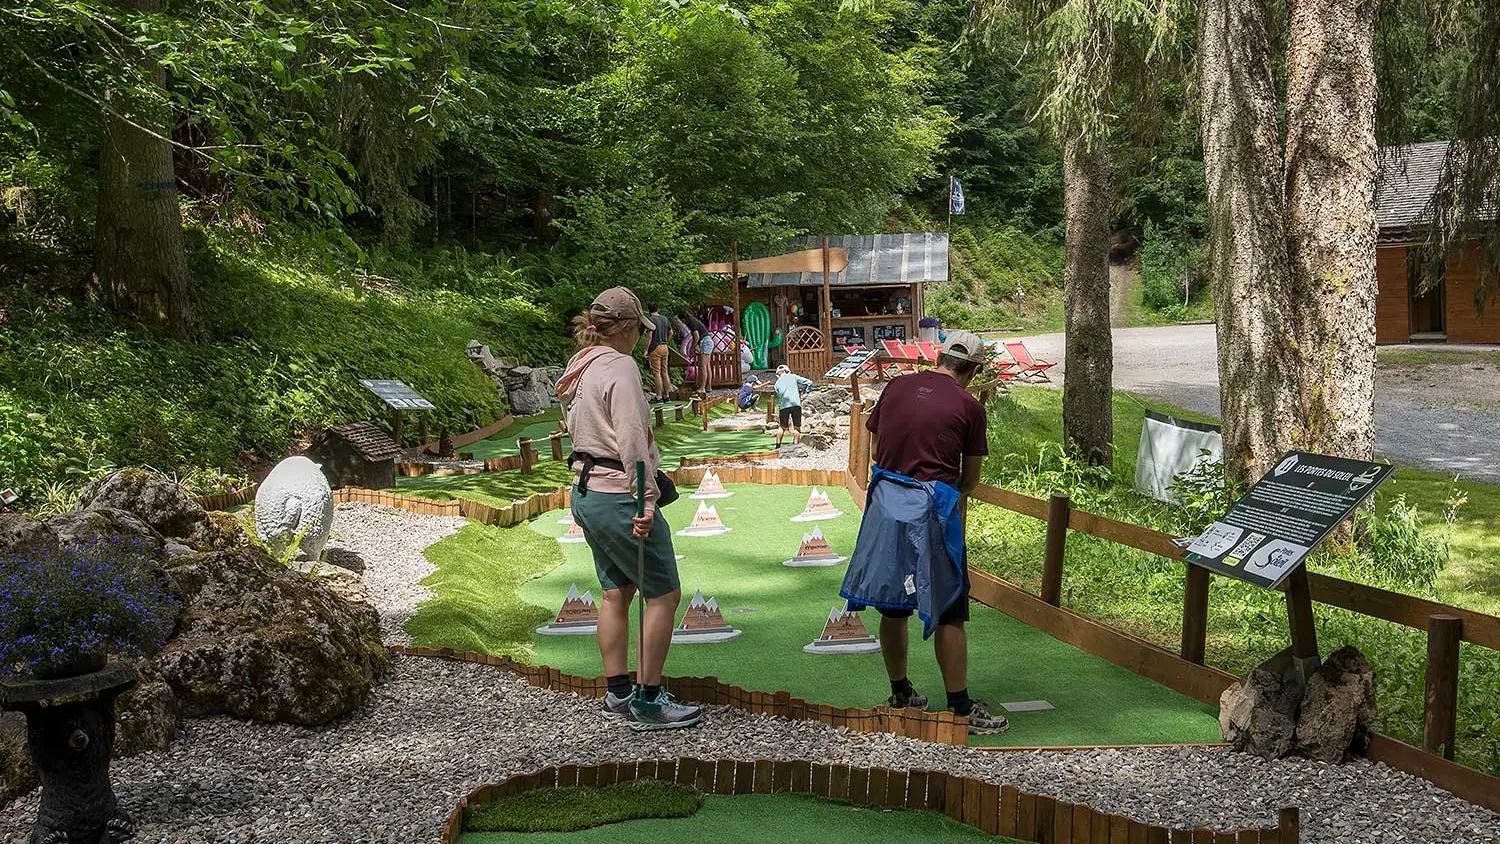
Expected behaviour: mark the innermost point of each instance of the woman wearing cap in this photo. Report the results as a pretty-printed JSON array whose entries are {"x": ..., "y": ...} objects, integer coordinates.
[{"x": 609, "y": 421}]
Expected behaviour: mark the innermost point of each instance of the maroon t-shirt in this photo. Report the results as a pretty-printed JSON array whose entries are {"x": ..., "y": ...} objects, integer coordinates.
[{"x": 925, "y": 424}]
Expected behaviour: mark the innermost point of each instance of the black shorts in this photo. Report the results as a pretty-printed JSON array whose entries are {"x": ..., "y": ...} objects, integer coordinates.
[
  {"x": 791, "y": 416},
  {"x": 956, "y": 614}
]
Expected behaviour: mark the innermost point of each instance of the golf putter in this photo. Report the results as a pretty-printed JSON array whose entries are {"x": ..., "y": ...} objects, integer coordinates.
[{"x": 640, "y": 570}]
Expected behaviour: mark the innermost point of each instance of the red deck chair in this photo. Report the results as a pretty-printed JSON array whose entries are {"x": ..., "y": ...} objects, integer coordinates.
[
  {"x": 1032, "y": 369},
  {"x": 898, "y": 357},
  {"x": 929, "y": 350}
]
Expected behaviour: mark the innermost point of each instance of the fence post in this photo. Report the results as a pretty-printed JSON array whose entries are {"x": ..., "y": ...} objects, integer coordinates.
[
  {"x": 528, "y": 455},
  {"x": 1440, "y": 710},
  {"x": 854, "y": 385},
  {"x": 1195, "y": 614},
  {"x": 1057, "y": 543},
  {"x": 1289, "y": 823},
  {"x": 705, "y": 407},
  {"x": 856, "y": 422},
  {"x": 557, "y": 445},
  {"x": 661, "y": 418}
]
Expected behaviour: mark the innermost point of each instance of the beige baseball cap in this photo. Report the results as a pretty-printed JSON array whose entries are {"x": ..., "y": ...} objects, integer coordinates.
[
  {"x": 620, "y": 303},
  {"x": 966, "y": 345}
]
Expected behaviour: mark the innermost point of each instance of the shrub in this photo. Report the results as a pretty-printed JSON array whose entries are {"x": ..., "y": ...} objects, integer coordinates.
[
  {"x": 1173, "y": 274},
  {"x": 88, "y": 600}
]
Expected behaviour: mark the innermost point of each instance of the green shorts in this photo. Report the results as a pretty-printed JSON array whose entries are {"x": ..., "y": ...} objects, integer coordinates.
[{"x": 605, "y": 519}]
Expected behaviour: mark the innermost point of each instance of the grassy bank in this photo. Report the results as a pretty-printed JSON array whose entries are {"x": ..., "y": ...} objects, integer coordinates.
[
  {"x": 282, "y": 349},
  {"x": 1143, "y": 593}
]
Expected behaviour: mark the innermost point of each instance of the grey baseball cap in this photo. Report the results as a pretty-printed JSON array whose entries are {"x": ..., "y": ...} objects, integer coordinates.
[{"x": 966, "y": 345}]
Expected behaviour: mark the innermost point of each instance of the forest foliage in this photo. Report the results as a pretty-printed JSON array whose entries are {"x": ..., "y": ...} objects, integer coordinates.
[{"x": 368, "y": 184}]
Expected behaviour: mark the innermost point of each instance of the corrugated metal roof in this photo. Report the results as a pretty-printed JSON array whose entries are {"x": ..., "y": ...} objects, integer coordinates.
[{"x": 906, "y": 258}]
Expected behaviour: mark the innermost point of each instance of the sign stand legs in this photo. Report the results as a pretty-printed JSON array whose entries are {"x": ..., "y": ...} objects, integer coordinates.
[{"x": 1300, "y": 615}]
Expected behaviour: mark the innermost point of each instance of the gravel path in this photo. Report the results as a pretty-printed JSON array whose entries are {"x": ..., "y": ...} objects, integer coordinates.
[
  {"x": 1436, "y": 423},
  {"x": 389, "y": 544},
  {"x": 434, "y": 730}
]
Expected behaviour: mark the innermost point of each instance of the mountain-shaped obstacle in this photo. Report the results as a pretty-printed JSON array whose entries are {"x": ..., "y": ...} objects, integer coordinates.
[
  {"x": 710, "y": 487},
  {"x": 844, "y": 633},
  {"x": 818, "y": 508},
  {"x": 574, "y": 534},
  {"x": 579, "y": 616},
  {"x": 703, "y": 623},
  {"x": 815, "y": 551},
  {"x": 705, "y": 523}
]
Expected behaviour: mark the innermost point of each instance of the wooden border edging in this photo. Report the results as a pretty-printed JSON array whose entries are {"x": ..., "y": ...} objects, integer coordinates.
[
  {"x": 988, "y": 807},
  {"x": 938, "y": 727},
  {"x": 470, "y": 438},
  {"x": 1199, "y": 682}
]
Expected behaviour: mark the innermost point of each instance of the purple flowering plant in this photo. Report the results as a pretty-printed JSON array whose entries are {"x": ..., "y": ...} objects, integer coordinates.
[{"x": 90, "y": 599}]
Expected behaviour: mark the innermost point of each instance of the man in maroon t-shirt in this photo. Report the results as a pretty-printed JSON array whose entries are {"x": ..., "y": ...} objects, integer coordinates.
[{"x": 928, "y": 427}]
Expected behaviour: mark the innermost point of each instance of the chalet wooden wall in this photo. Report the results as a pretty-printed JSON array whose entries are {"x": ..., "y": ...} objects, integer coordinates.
[
  {"x": 1466, "y": 324},
  {"x": 1392, "y": 305}
]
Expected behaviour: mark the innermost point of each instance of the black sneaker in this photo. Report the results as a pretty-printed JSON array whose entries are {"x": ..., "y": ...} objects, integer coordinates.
[
  {"x": 982, "y": 723},
  {"x": 662, "y": 713},
  {"x": 914, "y": 700}
]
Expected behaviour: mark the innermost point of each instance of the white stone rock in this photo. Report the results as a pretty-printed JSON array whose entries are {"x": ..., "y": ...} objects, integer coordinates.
[{"x": 294, "y": 499}]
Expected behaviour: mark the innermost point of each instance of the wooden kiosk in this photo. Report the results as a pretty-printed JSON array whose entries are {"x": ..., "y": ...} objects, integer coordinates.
[{"x": 828, "y": 294}]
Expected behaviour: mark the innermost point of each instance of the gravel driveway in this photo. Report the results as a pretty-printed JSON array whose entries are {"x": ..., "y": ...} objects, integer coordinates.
[{"x": 1440, "y": 417}]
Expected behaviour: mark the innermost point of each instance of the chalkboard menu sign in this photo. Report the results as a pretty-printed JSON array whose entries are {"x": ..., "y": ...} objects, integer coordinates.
[
  {"x": 848, "y": 335},
  {"x": 890, "y": 332},
  {"x": 1284, "y": 516}
]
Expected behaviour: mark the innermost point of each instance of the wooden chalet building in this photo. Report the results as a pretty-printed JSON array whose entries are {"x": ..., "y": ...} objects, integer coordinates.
[{"x": 1404, "y": 314}]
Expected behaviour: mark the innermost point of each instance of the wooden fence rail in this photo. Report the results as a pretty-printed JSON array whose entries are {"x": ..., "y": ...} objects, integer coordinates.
[
  {"x": 989, "y": 807},
  {"x": 1445, "y": 626}
]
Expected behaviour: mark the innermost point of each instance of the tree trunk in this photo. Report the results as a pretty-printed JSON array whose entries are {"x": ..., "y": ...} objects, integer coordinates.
[
  {"x": 1248, "y": 265},
  {"x": 1088, "y": 199},
  {"x": 140, "y": 267},
  {"x": 1331, "y": 227}
]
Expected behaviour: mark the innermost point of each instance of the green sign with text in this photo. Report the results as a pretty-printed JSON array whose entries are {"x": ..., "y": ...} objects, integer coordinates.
[{"x": 1266, "y": 534}]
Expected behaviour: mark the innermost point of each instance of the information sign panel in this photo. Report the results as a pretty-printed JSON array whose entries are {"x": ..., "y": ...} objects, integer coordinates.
[
  {"x": 397, "y": 395},
  {"x": 1266, "y": 534},
  {"x": 849, "y": 365}
]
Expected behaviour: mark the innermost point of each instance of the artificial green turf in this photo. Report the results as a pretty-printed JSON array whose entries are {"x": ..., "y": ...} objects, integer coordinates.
[
  {"x": 573, "y": 809},
  {"x": 498, "y": 489},
  {"x": 503, "y": 442},
  {"x": 677, "y": 440},
  {"x": 784, "y": 819},
  {"x": 1097, "y": 702},
  {"x": 476, "y": 605}
]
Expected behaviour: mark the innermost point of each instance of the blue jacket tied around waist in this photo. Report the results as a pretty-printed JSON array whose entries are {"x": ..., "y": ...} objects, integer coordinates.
[{"x": 910, "y": 552}]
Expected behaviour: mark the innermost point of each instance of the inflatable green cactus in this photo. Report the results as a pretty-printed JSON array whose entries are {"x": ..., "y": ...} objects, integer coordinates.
[{"x": 757, "y": 327}]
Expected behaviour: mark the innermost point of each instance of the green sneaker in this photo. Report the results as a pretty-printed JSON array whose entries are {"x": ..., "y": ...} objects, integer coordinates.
[{"x": 661, "y": 713}]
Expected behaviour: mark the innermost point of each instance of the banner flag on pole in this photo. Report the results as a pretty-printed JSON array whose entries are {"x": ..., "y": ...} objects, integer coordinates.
[{"x": 956, "y": 202}]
